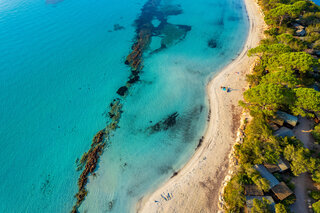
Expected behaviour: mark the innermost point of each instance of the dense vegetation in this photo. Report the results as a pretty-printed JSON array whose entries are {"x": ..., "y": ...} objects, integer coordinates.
[
  {"x": 280, "y": 208},
  {"x": 261, "y": 206},
  {"x": 316, "y": 134},
  {"x": 283, "y": 78},
  {"x": 316, "y": 207}
]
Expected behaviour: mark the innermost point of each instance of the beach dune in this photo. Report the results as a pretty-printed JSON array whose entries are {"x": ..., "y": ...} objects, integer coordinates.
[{"x": 196, "y": 187}]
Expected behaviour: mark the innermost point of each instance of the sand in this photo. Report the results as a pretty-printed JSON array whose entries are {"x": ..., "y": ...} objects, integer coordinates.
[{"x": 196, "y": 187}]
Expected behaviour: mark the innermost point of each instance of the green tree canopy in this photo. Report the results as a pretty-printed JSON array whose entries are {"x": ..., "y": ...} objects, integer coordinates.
[
  {"x": 261, "y": 206},
  {"x": 284, "y": 13},
  {"x": 259, "y": 145},
  {"x": 294, "y": 61},
  {"x": 267, "y": 98},
  {"x": 282, "y": 78},
  {"x": 315, "y": 194},
  {"x": 316, "y": 207},
  {"x": 316, "y": 176},
  {"x": 270, "y": 50},
  {"x": 307, "y": 102},
  {"x": 313, "y": 28},
  {"x": 300, "y": 159},
  {"x": 280, "y": 208},
  {"x": 234, "y": 195},
  {"x": 311, "y": 18},
  {"x": 292, "y": 140},
  {"x": 262, "y": 183},
  {"x": 316, "y": 134},
  {"x": 292, "y": 42}
]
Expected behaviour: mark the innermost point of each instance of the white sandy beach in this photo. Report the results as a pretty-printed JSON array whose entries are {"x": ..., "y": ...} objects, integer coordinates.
[{"x": 196, "y": 187}]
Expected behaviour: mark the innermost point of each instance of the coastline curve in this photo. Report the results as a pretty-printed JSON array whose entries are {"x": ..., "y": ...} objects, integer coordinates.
[{"x": 195, "y": 188}]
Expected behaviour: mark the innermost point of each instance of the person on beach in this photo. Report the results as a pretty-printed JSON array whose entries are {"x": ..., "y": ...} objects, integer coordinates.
[{"x": 226, "y": 89}]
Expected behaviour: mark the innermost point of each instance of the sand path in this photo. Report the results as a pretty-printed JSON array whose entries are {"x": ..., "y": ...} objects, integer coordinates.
[{"x": 196, "y": 187}]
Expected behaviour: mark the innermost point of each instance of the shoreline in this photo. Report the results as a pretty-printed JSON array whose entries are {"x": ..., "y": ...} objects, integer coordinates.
[{"x": 196, "y": 187}]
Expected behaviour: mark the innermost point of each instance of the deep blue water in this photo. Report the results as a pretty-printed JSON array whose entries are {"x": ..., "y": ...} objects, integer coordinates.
[{"x": 61, "y": 63}]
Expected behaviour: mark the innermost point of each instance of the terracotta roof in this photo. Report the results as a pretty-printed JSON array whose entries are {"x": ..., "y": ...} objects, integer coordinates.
[{"x": 282, "y": 191}]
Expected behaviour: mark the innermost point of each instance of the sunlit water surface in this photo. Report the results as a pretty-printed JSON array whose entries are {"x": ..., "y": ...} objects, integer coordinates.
[{"x": 61, "y": 63}]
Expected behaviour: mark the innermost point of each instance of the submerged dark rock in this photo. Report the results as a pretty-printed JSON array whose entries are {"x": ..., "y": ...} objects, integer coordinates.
[
  {"x": 212, "y": 43},
  {"x": 117, "y": 27},
  {"x": 110, "y": 205},
  {"x": 122, "y": 90},
  {"x": 233, "y": 18},
  {"x": 89, "y": 161},
  {"x": 165, "y": 124},
  {"x": 134, "y": 79},
  {"x": 165, "y": 169},
  {"x": 170, "y": 121}
]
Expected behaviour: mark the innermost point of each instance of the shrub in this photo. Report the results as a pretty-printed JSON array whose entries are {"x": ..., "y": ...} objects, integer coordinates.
[
  {"x": 280, "y": 208},
  {"x": 292, "y": 42},
  {"x": 234, "y": 195},
  {"x": 261, "y": 206},
  {"x": 259, "y": 145},
  {"x": 316, "y": 207},
  {"x": 307, "y": 102},
  {"x": 284, "y": 13},
  {"x": 272, "y": 32},
  {"x": 300, "y": 159},
  {"x": 291, "y": 186},
  {"x": 316, "y": 176},
  {"x": 315, "y": 195},
  {"x": 267, "y": 98},
  {"x": 311, "y": 18},
  {"x": 316, "y": 133},
  {"x": 289, "y": 200}
]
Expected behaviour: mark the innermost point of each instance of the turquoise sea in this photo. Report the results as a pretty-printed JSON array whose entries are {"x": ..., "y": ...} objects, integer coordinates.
[{"x": 61, "y": 64}]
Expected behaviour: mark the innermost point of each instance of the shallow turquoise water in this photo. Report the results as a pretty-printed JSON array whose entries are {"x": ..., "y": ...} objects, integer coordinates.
[{"x": 60, "y": 67}]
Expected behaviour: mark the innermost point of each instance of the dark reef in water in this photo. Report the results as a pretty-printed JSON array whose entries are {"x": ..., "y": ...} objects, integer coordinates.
[
  {"x": 145, "y": 30},
  {"x": 165, "y": 124},
  {"x": 122, "y": 90},
  {"x": 46, "y": 186},
  {"x": 117, "y": 27},
  {"x": 165, "y": 169},
  {"x": 110, "y": 205},
  {"x": 212, "y": 43},
  {"x": 233, "y": 18},
  {"x": 144, "y": 33},
  {"x": 89, "y": 160}
]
